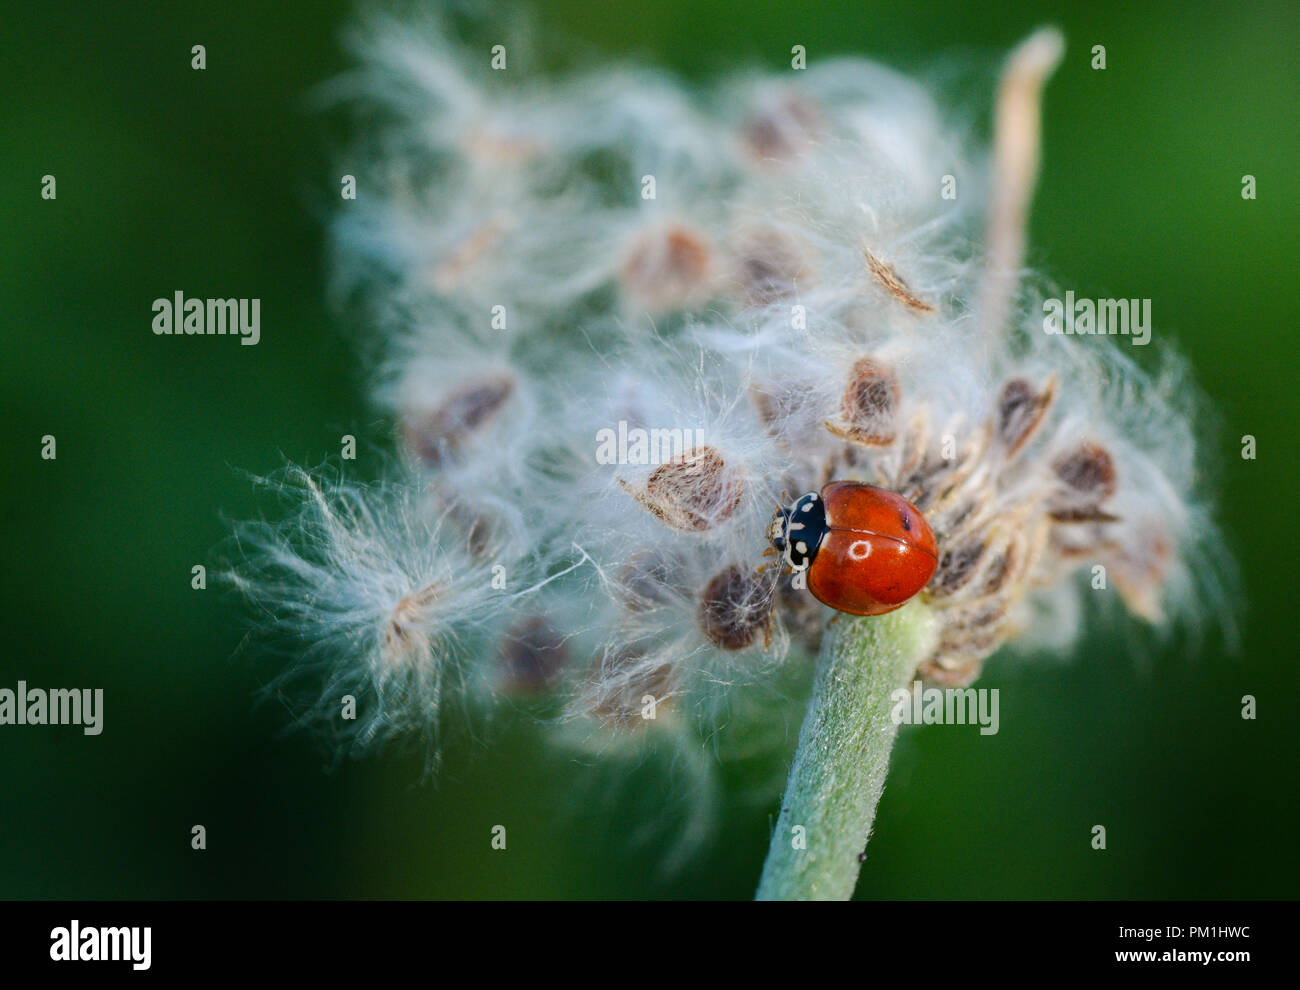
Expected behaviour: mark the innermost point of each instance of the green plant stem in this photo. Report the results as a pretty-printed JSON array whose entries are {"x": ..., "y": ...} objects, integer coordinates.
[{"x": 843, "y": 754}]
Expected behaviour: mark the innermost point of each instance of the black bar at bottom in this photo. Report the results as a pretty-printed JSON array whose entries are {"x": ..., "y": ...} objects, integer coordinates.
[{"x": 337, "y": 940}]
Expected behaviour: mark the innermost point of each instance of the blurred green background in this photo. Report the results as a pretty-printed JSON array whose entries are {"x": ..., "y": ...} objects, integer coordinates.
[{"x": 210, "y": 181}]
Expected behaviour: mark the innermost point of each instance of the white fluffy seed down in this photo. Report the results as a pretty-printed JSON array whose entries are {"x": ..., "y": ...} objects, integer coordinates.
[{"x": 753, "y": 289}]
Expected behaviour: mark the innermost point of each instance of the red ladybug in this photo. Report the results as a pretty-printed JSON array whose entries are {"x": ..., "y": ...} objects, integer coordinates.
[{"x": 858, "y": 548}]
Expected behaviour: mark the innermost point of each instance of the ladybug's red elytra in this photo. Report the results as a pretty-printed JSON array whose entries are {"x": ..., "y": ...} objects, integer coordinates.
[{"x": 858, "y": 548}]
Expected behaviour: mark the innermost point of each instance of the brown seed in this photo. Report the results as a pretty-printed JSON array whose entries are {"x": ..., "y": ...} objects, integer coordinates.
[
  {"x": 1088, "y": 478},
  {"x": 776, "y": 404},
  {"x": 961, "y": 645},
  {"x": 1000, "y": 569},
  {"x": 625, "y": 678},
  {"x": 769, "y": 267},
  {"x": 783, "y": 130},
  {"x": 893, "y": 283},
  {"x": 988, "y": 613},
  {"x": 956, "y": 566},
  {"x": 438, "y": 434},
  {"x": 1083, "y": 514},
  {"x": 693, "y": 492},
  {"x": 789, "y": 410},
  {"x": 479, "y": 538},
  {"x": 478, "y": 530},
  {"x": 1020, "y": 412},
  {"x": 452, "y": 268},
  {"x": 667, "y": 268},
  {"x": 932, "y": 672},
  {"x": 645, "y": 580},
  {"x": 735, "y": 607},
  {"x": 532, "y": 656},
  {"x": 1089, "y": 470},
  {"x": 870, "y": 404},
  {"x": 405, "y": 643}
]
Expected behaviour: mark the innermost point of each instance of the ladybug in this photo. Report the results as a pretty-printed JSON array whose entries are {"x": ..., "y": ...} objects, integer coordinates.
[{"x": 858, "y": 548}]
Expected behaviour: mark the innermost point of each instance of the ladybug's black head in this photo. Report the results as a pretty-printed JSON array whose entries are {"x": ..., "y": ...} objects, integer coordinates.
[{"x": 798, "y": 529}]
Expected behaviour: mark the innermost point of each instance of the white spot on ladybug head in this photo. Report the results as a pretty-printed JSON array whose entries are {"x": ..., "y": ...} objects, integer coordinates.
[
  {"x": 859, "y": 550},
  {"x": 807, "y": 507},
  {"x": 801, "y": 546}
]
